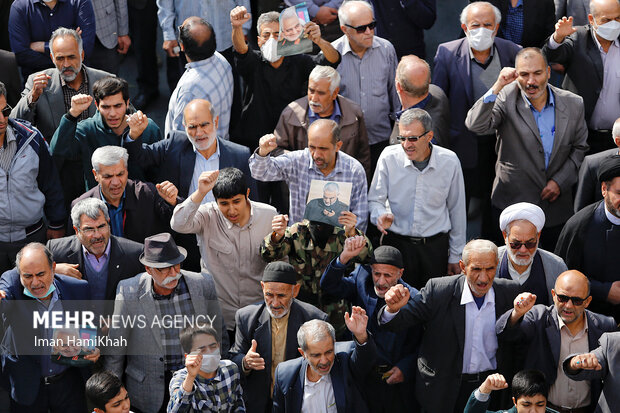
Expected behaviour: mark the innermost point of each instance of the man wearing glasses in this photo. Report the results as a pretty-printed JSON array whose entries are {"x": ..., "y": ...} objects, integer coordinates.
[
  {"x": 521, "y": 259},
  {"x": 30, "y": 187},
  {"x": 426, "y": 220},
  {"x": 550, "y": 334}
]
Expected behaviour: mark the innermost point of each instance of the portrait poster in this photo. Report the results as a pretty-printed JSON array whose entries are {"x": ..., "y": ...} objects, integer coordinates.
[
  {"x": 326, "y": 200},
  {"x": 70, "y": 345},
  {"x": 292, "y": 39}
]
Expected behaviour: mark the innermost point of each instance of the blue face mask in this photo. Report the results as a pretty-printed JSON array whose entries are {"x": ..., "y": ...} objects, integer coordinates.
[{"x": 29, "y": 294}]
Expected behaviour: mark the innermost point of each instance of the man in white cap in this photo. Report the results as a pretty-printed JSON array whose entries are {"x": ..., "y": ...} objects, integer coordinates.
[{"x": 521, "y": 259}]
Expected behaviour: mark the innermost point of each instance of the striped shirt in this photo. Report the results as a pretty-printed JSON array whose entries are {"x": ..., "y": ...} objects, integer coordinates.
[
  {"x": 369, "y": 82},
  {"x": 8, "y": 150},
  {"x": 298, "y": 170},
  {"x": 209, "y": 79}
]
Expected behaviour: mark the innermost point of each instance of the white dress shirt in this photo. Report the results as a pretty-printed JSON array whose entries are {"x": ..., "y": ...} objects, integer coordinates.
[
  {"x": 480, "y": 338},
  {"x": 318, "y": 396}
]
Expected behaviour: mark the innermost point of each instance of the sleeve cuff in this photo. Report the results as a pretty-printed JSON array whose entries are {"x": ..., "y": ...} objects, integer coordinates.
[
  {"x": 387, "y": 316},
  {"x": 552, "y": 44},
  {"x": 489, "y": 96},
  {"x": 481, "y": 397},
  {"x": 70, "y": 117},
  {"x": 339, "y": 264}
]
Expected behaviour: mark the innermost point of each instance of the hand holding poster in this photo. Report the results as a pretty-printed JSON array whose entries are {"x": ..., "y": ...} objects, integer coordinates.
[
  {"x": 292, "y": 39},
  {"x": 327, "y": 200}
]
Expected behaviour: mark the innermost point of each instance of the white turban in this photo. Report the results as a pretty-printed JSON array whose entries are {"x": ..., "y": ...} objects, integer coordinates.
[{"x": 522, "y": 210}]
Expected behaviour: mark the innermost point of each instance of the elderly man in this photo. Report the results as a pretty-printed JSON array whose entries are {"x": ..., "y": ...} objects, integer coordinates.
[
  {"x": 31, "y": 24},
  {"x": 589, "y": 242},
  {"x": 93, "y": 254},
  {"x": 427, "y": 221},
  {"x": 588, "y": 185},
  {"x": 208, "y": 76},
  {"x": 465, "y": 69},
  {"x": 521, "y": 259},
  {"x": 550, "y": 333},
  {"x": 590, "y": 55},
  {"x": 328, "y": 373},
  {"x": 31, "y": 189},
  {"x": 413, "y": 78},
  {"x": 394, "y": 369},
  {"x": 77, "y": 139},
  {"x": 164, "y": 292},
  {"x": 541, "y": 140},
  {"x": 266, "y": 333},
  {"x": 36, "y": 383},
  {"x": 229, "y": 231},
  {"x": 322, "y": 160},
  {"x": 324, "y": 102},
  {"x": 459, "y": 315},
  {"x": 367, "y": 71}
]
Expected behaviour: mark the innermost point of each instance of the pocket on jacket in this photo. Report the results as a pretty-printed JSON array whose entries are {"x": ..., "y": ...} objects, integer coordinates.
[{"x": 135, "y": 374}]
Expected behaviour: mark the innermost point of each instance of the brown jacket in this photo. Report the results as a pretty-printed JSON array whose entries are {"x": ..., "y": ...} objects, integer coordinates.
[{"x": 292, "y": 129}]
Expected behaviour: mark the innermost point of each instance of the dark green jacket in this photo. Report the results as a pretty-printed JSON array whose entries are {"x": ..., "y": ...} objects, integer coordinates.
[{"x": 476, "y": 406}]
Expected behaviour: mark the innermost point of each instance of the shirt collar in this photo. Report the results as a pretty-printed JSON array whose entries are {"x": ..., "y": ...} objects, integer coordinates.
[
  {"x": 467, "y": 297},
  {"x": 612, "y": 218},
  {"x": 324, "y": 379},
  {"x": 200, "y": 63},
  {"x": 421, "y": 104},
  {"x": 62, "y": 81},
  {"x": 335, "y": 114},
  {"x": 110, "y": 206},
  {"x": 550, "y": 99},
  {"x": 562, "y": 324},
  {"x": 216, "y": 154},
  {"x": 471, "y": 52},
  {"x": 106, "y": 253},
  {"x": 282, "y": 320},
  {"x": 229, "y": 224},
  {"x": 432, "y": 161},
  {"x": 10, "y": 135},
  {"x": 598, "y": 44},
  {"x": 346, "y": 48}
]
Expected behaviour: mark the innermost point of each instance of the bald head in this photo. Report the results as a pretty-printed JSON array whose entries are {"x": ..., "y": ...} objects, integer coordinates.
[
  {"x": 413, "y": 76},
  {"x": 197, "y": 39},
  {"x": 198, "y": 107},
  {"x": 575, "y": 281}
]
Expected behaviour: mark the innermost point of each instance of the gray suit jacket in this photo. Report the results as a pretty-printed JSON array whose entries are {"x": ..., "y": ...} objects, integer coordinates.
[
  {"x": 589, "y": 188},
  {"x": 552, "y": 264},
  {"x": 439, "y": 108},
  {"x": 520, "y": 173},
  {"x": 142, "y": 359},
  {"x": 578, "y": 9},
  {"x": 111, "y": 20},
  {"x": 46, "y": 112},
  {"x": 608, "y": 355}
]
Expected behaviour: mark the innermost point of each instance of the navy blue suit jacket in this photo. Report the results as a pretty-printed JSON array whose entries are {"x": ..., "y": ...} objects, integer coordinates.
[
  {"x": 358, "y": 288},
  {"x": 175, "y": 158},
  {"x": 452, "y": 73},
  {"x": 23, "y": 369},
  {"x": 348, "y": 372}
]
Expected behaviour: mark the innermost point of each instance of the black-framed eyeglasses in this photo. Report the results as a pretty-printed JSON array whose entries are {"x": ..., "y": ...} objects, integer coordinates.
[
  {"x": 91, "y": 230},
  {"x": 362, "y": 28},
  {"x": 411, "y": 138},
  {"x": 7, "y": 110},
  {"x": 515, "y": 245},
  {"x": 576, "y": 300}
]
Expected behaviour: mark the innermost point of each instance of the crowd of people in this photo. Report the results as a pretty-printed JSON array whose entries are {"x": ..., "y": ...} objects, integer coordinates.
[{"x": 344, "y": 230}]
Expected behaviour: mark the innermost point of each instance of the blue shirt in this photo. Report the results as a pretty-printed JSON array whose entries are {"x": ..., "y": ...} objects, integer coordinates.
[
  {"x": 117, "y": 215},
  {"x": 545, "y": 120},
  {"x": 204, "y": 165},
  {"x": 513, "y": 30},
  {"x": 335, "y": 116},
  {"x": 32, "y": 21}
]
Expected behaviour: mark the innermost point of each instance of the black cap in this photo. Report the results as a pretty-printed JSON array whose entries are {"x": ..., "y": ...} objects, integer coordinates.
[
  {"x": 609, "y": 168},
  {"x": 160, "y": 251},
  {"x": 386, "y": 254},
  {"x": 280, "y": 272}
]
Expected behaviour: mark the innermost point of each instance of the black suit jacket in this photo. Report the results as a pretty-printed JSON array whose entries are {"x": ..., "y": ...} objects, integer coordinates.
[
  {"x": 584, "y": 67},
  {"x": 539, "y": 332},
  {"x": 538, "y": 20},
  {"x": 254, "y": 322},
  {"x": 124, "y": 259},
  {"x": 588, "y": 187},
  {"x": 440, "y": 360},
  {"x": 175, "y": 158}
]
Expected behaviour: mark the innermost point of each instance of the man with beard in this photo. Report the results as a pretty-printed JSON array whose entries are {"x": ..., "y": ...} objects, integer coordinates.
[
  {"x": 590, "y": 241},
  {"x": 328, "y": 208},
  {"x": 394, "y": 370},
  {"x": 77, "y": 140},
  {"x": 549, "y": 334},
  {"x": 521, "y": 259},
  {"x": 328, "y": 375},
  {"x": 541, "y": 140},
  {"x": 266, "y": 333}
]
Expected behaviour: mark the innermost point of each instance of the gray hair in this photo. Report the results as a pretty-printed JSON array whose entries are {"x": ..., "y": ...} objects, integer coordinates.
[
  {"x": 331, "y": 186},
  {"x": 480, "y": 246},
  {"x": 343, "y": 16},
  {"x": 288, "y": 13},
  {"x": 326, "y": 72},
  {"x": 334, "y": 125},
  {"x": 2, "y": 89},
  {"x": 416, "y": 115},
  {"x": 402, "y": 75},
  {"x": 498, "y": 14},
  {"x": 34, "y": 246},
  {"x": 269, "y": 17},
  {"x": 615, "y": 132},
  {"x": 108, "y": 156},
  {"x": 313, "y": 331},
  {"x": 91, "y": 207},
  {"x": 64, "y": 32}
]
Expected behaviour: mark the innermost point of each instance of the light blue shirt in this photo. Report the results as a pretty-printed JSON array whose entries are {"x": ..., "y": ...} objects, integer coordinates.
[
  {"x": 335, "y": 116},
  {"x": 204, "y": 165}
]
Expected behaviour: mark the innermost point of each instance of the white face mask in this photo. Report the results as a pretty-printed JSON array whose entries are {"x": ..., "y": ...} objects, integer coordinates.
[
  {"x": 210, "y": 362},
  {"x": 480, "y": 39},
  {"x": 609, "y": 31},
  {"x": 269, "y": 50}
]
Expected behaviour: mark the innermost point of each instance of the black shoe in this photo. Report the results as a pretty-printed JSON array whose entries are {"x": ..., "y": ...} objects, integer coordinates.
[{"x": 142, "y": 100}]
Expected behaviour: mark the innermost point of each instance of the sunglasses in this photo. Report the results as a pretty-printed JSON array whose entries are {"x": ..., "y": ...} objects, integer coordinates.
[
  {"x": 515, "y": 245},
  {"x": 411, "y": 138},
  {"x": 576, "y": 300},
  {"x": 363, "y": 27},
  {"x": 6, "y": 111}
]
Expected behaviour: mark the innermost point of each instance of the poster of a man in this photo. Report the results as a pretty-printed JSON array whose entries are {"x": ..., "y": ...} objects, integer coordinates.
[
  {"x": 70, "y": 346},
  {"x": 327, "y": 200},
  {"x": 292, "y": 39}
]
